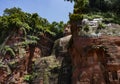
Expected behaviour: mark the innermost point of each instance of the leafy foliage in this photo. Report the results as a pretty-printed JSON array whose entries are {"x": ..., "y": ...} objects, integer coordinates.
[
  {"x": 8, "y": 49},
  {"x": 86, "y": 28},
  {"x": 76, "y": 17},
  {"x": 101, "y": 26},
  {"x": 98, "y": 5},
  {"x": 29, "y": 26},
  {"x": 14, "y": 19},
  {"x": 108, "y": 17},
  {"x": 57, "y": 28},
  {"x": 27, "y": 78}
]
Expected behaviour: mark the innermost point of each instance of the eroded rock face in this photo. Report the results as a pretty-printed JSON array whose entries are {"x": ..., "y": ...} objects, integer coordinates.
[
  {"x": 61, "y": 45},
  {"x": 18, "y": 67},
  {"x": 96, "y": 59},
  {"x": 56, "y": 68},
  {"x": 61, "y": 53},
  {"x": 94, "y": 50}
]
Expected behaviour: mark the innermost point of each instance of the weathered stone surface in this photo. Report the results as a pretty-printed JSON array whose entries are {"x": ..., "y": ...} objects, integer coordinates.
[
  {"x": 19, "y": 68},
  {"x": 96, "y": 59}
]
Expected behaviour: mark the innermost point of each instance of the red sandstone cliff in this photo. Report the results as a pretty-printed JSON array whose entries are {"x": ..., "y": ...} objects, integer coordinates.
[{"x": 95, "y": 59}]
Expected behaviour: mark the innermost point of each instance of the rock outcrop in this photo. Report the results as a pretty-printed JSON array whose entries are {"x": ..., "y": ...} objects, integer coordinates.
[
  {"x": 56, "y": 68},
  {"x": 18, "y": 55},
  {"x": 95, "y": 58}
]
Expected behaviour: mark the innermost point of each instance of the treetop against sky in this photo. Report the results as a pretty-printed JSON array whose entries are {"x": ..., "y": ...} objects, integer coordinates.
[{"x": 53, "y": 10}]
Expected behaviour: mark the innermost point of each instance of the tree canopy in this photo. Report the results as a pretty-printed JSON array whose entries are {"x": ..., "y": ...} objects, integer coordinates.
[
  {"x": 14, "y": 19},
  {"x": 100, "y": 5}
]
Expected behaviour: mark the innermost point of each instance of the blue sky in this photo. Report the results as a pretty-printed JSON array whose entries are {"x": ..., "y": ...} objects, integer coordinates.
[{"x": 53, "y": 10}]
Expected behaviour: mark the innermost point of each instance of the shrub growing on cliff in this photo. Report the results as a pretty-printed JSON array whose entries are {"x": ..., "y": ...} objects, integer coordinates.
[
  {"x": 86, "y": 28},
  {"x": 76, "y": 17}
]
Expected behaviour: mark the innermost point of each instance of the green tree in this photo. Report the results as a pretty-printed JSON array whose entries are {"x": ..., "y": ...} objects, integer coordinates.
[{"x": 57, "y": 28}]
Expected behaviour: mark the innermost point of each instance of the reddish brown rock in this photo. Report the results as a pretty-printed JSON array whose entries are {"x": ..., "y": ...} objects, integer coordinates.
[{"x": 95, "y": 60}]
